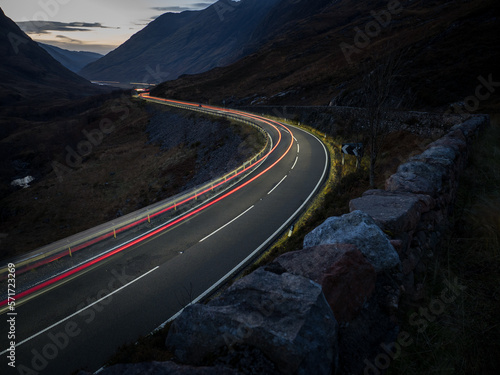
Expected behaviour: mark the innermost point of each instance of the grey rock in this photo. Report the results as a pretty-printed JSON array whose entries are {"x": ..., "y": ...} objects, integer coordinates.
[
  {"x": 218, "y": 146},
  {"x": 286, "y": 317},
  {"x": 248, "y": 361},
  {"x": 359, "y": 229},
  {"x": 417, "y": 177},
  {"x": 165, "y": 368},
  {"x": 347, "y": 278},
  {"x": 393, "y": 212},
  {"x": 454, "y": 139},
  {"x": 470, "y": 127},
  {"x": 439, "y": 155}
]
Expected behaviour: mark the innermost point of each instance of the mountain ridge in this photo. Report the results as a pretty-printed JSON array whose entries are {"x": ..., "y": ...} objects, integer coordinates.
[
  {"x": 195, "y": 41},
  {"x": 447, "y": 46},
  {"x": 28, "y": 73}
]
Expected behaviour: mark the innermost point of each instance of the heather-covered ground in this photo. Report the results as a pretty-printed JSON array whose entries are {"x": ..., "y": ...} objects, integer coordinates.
[{"x": 97, "y": 162}]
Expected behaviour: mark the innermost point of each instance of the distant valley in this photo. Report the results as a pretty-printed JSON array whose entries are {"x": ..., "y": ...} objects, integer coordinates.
[{"x": 73, "y": 60}]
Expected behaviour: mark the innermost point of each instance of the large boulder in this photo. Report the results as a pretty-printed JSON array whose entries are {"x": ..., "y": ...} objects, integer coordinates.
[
  {"x": 472, "y": 126},
  {"x": 438, "y": 155},
  {"x": 284, "y": 316},
  {"x": 393, "y": 212},
  {"x": 417, "y": 177},
  {"x": 359, "y": 229},
  {"x": 347, "y": 278},
  {"x": 454, "y": 139}
]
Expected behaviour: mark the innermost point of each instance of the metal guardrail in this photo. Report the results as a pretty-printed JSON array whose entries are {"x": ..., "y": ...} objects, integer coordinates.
[{"x": 174, "y": 206}]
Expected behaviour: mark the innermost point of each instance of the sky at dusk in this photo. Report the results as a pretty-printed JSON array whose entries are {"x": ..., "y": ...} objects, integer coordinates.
[{"x": 90, "y": 25}]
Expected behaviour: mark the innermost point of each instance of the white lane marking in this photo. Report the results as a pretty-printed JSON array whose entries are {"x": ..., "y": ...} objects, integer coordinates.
[
  {"x": 283, "y": 179},
  {"x": 297, "y": 158},
  {"x": 257, "y": 165},
  {"x": 225, "y": 225},
  {"x": 295, "y": 139},
  {"x": 298, "y": 147},
  {"x": 257, "y": 250},
  {"x": 81, "y": 310}
]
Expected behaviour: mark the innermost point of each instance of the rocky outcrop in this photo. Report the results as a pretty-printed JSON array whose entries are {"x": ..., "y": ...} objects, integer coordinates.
[
  {"x": 362, "y": 303},
  {"x": 395, "y": 212},
  {"x": 284, "y": 316},
  {"x": 347, "y": 278},
  {"x": 357, "y": 228}
]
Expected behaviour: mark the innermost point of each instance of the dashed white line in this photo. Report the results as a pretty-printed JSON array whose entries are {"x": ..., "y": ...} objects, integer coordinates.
[
  {"x": 256, "y": 251},
  {"x": 283, "y": 179},
  {"x": 298, "y": 148},
  {"x": 225, "y": 225},
  {"x": 83, "y": 309},
  {"x": 297, "y": 158}
]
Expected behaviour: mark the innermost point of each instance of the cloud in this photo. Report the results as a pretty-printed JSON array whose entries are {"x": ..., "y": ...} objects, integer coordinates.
[
  {"x": 67, "y": 40},
  {"x": 78, "y": 45},
  {"x": 176, "y": 8},
  {"x": 43, "y": 27}
]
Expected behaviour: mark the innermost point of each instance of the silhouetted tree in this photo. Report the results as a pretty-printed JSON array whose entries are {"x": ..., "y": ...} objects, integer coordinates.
[{"x": 384, "y": 90}]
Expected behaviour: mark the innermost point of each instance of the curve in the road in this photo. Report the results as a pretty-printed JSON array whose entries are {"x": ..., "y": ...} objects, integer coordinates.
[
  {"x": 73, "y": 271},
  {"x": 214, "y": 241}
]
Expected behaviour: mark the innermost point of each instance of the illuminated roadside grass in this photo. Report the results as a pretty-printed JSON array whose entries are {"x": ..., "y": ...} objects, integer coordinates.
[
  {"x": 343, "y": 184},
  {"x": 333, "y": 198}
]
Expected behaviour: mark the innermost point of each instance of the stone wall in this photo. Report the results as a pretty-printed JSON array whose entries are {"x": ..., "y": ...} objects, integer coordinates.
[{"x": 327, "y": 309}]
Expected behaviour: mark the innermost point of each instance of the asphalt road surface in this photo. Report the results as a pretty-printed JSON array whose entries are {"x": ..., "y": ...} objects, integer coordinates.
[{"x": 79, "y": 323}]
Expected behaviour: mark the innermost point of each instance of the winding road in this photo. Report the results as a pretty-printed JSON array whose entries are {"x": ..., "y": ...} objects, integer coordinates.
[{"x": 80, "y": 322}]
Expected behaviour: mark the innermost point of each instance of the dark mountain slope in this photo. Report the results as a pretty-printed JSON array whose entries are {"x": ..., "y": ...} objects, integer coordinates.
[
  {"x": 193, "y": 42},
  {"x": 73, "y": 60},
  {"x": 448, "y": 45},
  {"x": 188, "y": 42},
  {"x": 28, "y": 72}
]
